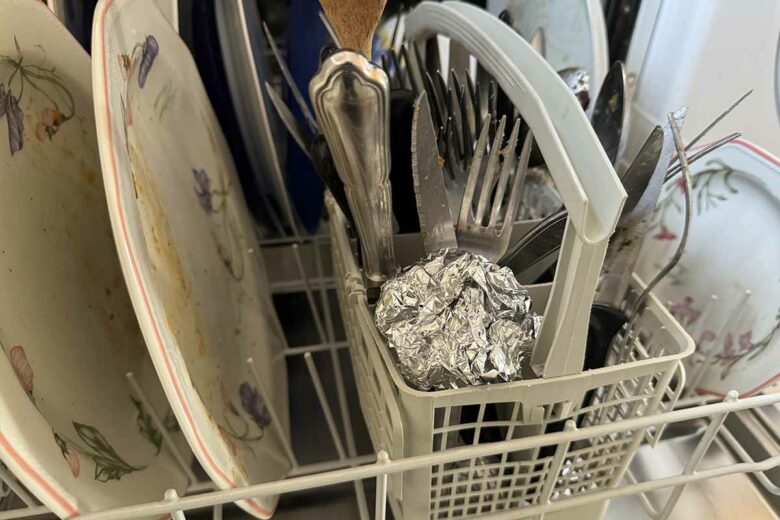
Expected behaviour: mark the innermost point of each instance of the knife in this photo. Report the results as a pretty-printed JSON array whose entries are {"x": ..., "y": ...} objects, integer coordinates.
[
  {"x": 433, "y": 208},
  {"x": 623, "y": 250},
  {"x": 351, "y": 99}
]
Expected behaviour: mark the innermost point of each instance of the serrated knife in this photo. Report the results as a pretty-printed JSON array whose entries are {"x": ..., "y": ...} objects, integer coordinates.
[{"x": 433, "y": 208}]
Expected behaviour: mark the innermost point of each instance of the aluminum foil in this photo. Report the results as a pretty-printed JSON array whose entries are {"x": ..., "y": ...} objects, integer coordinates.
[{"x": 456, "y": 319}]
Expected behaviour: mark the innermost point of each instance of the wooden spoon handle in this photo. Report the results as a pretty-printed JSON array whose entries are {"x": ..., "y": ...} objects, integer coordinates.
[{"x": 354, "y": 21}]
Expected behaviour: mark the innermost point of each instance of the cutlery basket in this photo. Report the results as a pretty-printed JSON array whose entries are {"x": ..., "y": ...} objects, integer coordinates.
[{"x": 406, "y": 422}]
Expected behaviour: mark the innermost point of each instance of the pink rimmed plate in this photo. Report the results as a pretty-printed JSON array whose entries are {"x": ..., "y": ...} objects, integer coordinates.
[
  {"x": 71, "y": 428},
  {"x": 733, "y": 248},
  {"x": 187, "y": 247}
]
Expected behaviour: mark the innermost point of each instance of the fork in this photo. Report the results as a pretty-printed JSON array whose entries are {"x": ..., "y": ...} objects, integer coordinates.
[{"x": 491, "y": 240}]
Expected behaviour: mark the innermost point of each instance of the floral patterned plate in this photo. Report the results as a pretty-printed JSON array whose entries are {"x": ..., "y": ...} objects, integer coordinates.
[
  {"x": 734, "y": 246},
  {"x": 71, "y": 429},
  {"x": 186, "y": 243}
]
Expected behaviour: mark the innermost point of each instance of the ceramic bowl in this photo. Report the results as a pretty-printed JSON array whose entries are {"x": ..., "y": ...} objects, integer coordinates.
[{"x": 71, "y": 428}]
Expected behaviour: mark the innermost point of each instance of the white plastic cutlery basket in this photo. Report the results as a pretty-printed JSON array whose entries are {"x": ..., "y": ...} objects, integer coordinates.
[{"x": 407, "y": 422}]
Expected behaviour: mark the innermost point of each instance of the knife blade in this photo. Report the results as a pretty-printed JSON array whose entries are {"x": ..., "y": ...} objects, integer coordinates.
[
  {"x": 623, "y": 250},
  {"x": 433, "y": 208}
]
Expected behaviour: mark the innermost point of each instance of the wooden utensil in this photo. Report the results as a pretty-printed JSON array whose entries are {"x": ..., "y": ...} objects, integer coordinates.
[{"x": 354, "y": 21}]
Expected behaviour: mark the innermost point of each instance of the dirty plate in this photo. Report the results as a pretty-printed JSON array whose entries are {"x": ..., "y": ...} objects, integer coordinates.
[
  {"x": 71, "y": 428},
  {"x": 188, "y": 250},
  {"x": 733, "y": 248}
]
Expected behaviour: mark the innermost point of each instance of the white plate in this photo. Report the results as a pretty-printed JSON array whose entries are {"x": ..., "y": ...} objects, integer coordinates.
[
  {"x": 186, "y": 243},
  {"x": 733, "y": 247},
  {"x": 575, "y": 33},
  {"x": 69, "y": 427}
]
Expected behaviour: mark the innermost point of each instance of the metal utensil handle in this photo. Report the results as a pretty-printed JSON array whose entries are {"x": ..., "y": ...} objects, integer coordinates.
[{"x": 351, "y": 100}]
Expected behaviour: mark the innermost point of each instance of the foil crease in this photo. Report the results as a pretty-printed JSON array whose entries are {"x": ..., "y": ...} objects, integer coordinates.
[{"x": 455, "y": 319}]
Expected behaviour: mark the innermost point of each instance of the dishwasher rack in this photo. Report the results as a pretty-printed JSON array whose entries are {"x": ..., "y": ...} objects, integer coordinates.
[{"x": 301, "y": 267}]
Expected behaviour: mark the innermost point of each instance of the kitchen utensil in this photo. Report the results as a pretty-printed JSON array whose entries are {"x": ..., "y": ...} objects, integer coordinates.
[
  {"x": 540, "y": 243},
  {"x": 610, "y": 112},
  {"x": 702, "y": 152},
  {"x": 538, "y": 41},
  {"x": 643, "y": 182},
  {"x": 531, "y": 258},
  {"x": 714, "y": 122},
  {"x": 187, "y": 246},
  {"x": 575, "y": 33},
  {"x": 436, "y": 222},
  {"x": 244, "y": 50},
  {"x": 731, "y": 254},
  {"x": 354, "y": 22},
  {"x": 491, "y": 239},
  {"x": 72, "y": 430},
  {"x": 403, "y": 194},
  {"x": 578, "y": 81},
  {"x": 535, "y": 248},
  {"x": 351, "y": 100},
  {"x": 323, "y": 163}
]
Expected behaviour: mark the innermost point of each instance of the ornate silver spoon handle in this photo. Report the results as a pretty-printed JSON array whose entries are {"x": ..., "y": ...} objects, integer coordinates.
[{"x": 351, "y": 100}]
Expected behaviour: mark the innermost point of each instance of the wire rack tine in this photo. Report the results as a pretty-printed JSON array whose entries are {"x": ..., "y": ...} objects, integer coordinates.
[
  {"x": 380, "y": 507},
  {"x": 320, "y": 390},
  {"x": 727, "y": 325},
  {"x": 341, "y": 393},
  {"x": 323, "y": 399},
  {"x": 15, "y": 487},
  {"x": 172, "y": 496},
  {"x": 701, "y": 448}
]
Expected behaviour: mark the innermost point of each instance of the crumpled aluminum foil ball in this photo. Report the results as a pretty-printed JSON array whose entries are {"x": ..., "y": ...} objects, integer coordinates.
[{"x": 456, "y": 319}]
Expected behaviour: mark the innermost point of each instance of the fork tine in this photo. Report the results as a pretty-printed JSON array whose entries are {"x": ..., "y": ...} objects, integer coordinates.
[
  {"x": 396, "y": 68},
  {"x": 435, "y": 103},
  {"x": 472, "y": 111},
  {"x": 391, "y": 74},
  {"x": 520, "y": 175},
  {"x": 465, "y": 116},
  {"x": 490, "y": 172},
  {"x": 474, "y": 169},
  {"x": 410, "y": 81},
  {"x": 507, "y": 166}
]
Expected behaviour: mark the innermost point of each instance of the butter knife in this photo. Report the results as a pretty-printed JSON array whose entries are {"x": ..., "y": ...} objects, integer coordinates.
[
  {"x": 433, "y": 208},
  {"x": 350, "y": 96}
]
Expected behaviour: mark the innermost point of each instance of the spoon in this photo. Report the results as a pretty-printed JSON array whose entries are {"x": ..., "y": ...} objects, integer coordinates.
[{"x": 578, "y": 80}]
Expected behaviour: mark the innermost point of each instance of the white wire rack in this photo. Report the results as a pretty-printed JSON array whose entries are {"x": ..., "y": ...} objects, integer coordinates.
[{"x": 306, "y": 272}]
